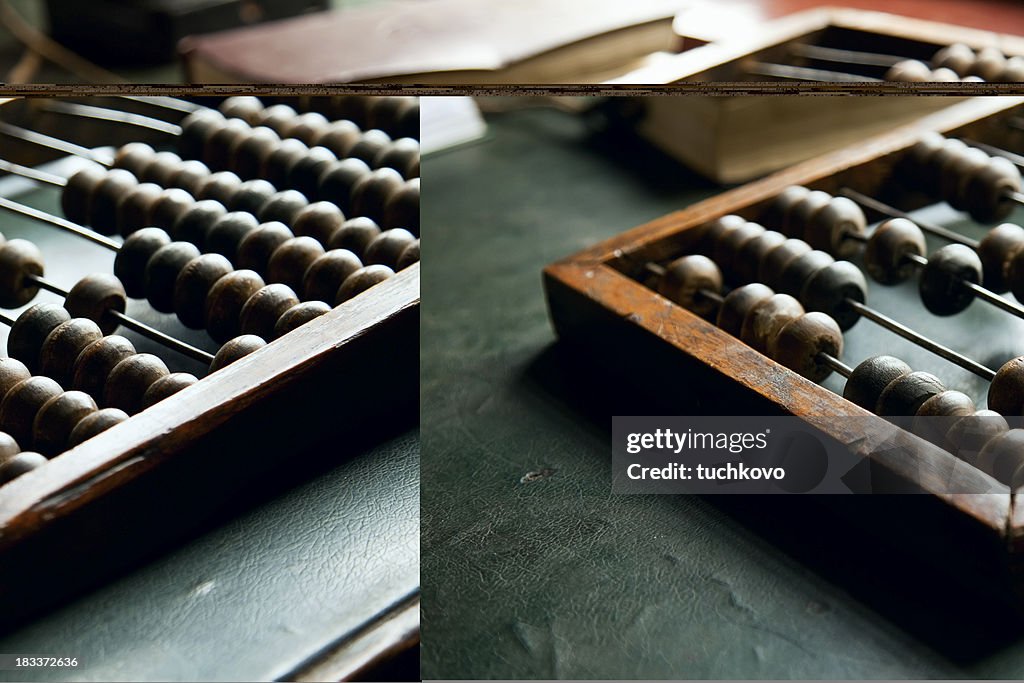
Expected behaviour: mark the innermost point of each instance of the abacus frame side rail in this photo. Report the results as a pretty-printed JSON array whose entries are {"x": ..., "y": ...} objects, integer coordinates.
[{"x": 115, "y": 457}]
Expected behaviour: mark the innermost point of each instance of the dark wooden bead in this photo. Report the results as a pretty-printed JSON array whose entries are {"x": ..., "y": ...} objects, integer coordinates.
[
  {"x": 800, "y": 343},
  {"x": 134, "y": 157},
  {"x": 76, "y": 197},
  {"x": 955, "y": 171},
  {"x": 936, "y": 416},
  {"x": 776, "y": 260},
  {"x": 162, "y": 272},
  {"x": 20, "y": 464},
  {"x": 339, "y": 137},
  {"x": 1006, "y": 391},
  {"x": 19, "y": 260},
  {"x": 370, "y": 144},
  {"x": 61, "y": 347},
  {"x": 283, "y": 207},
  {"x": 931, "y": 173},
  {"x": 190, "y": 176},
  {"x": 94, "y": 424},
  {"x": 403, "y": 155},
  {"x": 217, "y": 151},
  {"x": 409, "y": 255},
  {"x": 12, "y": 371},
  {"x": 836, "y": 226},
  {"x": 738, "y": 303},
  {"x": 724, "y": 251},
  {"x": 260, "y": 313},
  {"x": 996, "y": 250},
  {"x": 280, "y": 162},
  {"x": 989, "y": 191},
  {"x": 289, "y": 262},
  {"x": 130, "y": 379},
  {"x": 249, "y": 157},
  {"x": 106, "y": 198},
  {"x": 135, "y": 210},
  {"x": 684, "y": 280},
  {"x": 308, "y": 126},
  {"x": 279, "y": 117},
  {"x": 94, "y": 296},
  {"x": 131, "y": 260},
  {"x": 777, "y": 213},
  {"x": 161, "y": 169},
  {"x": 298, "y": 315},
  {"x": 802, "y": 215},
  {"x": 195, "y": 224},
  {"x": 360, "y": 281},
  {"x": 8, "y": 447},
  {"x": 21, "y": 404},
  {"x": 327, "y": 273},
  {"x": 169, "y": 207},
  {"x": 1013, "y": 72},
  {"x": 304, "y": 175},
  {"x": 235, "y": 349},
  {"x": 989, "y": 62},
  {"x": 373, "y": 191},
  {"x": 968, "y": 435},
  {"x": 94, "y": 363},
  {"x": 942, "y": 284},
  {"x": 256, "y": 248},
  {"x": 223, "y": 308},
  {"x": 355, "y": 234},
  {"x": 251, "y": 195},
  {"x": 885, "y": 255},
  {"x": 385, "y": 112},
  {"x": 30, "y": 329},
  {"x": 869, "y": 379},
  {"x": 220, "y": 187},
  {"x": 57, "y": 419},
  {"x": 830, "y": 289},
  {"x": 958, "y": 57},
  {"x": 764, "y": 320},
  {"x": 904, "y": 395},
  {"x": 408, "y": 123},
  {"x": 402, "y": 209},
  {"x": 387, "y": 247},
  {"x": 1003, "y": 455},
  {"x": 338, "y": 180},
  {"x": 228, "y": 232},
  {"x": 193, "y": 286},
  {"x": 924, "y": 150},
  {"x": 168, "y": 385},
  {"x": 798, "y": 272},
  {"x": 750, "y": 255},
  {"x": 245, "y": 107},
  {"x": 196, "y": 129},
  {"x": 319, "y": 220}
]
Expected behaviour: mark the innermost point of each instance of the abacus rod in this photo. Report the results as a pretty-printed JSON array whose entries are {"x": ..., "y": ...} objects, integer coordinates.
[
  {"x": 1016, "y": 196},
  {"x": 50, "y": 142},
  {"x": 156, "y": 335},
  {"x": 171, "y": 103},
  {"x": 43, "y": 283},
  {"x": 32, "y": 173},
  {"x": 803, "y": 73},
  {"x": 996, "y": 300},
  {"x": 831, "y": 54},
  {"x": 6, "y": 319},
  {"x": 655, "y": 269},
  {"x": 105, "y": 114},
  {"x": 59, "y": 222},
  {"x": 991, "y": 150},
  {"x": 924, "y": 342},
  {"x": 893, "y": 212},
  {"x": 836, "y": 364}
]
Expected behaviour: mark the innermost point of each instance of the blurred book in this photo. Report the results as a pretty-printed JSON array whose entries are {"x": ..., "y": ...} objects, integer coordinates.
[{"x": 449, "y": 121}]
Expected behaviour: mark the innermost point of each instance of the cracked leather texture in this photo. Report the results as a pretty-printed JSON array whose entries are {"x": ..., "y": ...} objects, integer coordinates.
[
  {"x": 532, "y": 569},
  {"x": 255, "y": 597}
]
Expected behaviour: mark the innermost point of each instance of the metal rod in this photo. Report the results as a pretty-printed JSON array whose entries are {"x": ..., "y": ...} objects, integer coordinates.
[
  {"x": 893, "y": 212},
  {"x": 156, "y": 335},
  {"x": 1016, "y": 196},
  {"x": 996, "y": 300},
  {"x": 51, "y": 142},
  {"x": 32, "y": 173},
  {"x": 171, "y": 103},
  {"x": 712, "y": 295},
  {"x": 831, "y": 54},
  {"x": 105, "y": 114},
  {"x": 6, "y": 319},
  {"x": 655, "y": 269},
  {"x": 59, "y": 222},
  {"x": 803, "y": 73},
  {"x": 836, "y": 364},
  {"x": 46, "y": 284}
]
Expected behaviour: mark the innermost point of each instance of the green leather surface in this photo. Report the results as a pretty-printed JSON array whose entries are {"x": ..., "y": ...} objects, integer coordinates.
[{"x": 531, "y": 568}]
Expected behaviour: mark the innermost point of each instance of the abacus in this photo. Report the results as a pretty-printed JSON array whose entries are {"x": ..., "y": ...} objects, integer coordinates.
[
  {"x": 870, "y": 284},
  {"x": 218, "y": 307}
]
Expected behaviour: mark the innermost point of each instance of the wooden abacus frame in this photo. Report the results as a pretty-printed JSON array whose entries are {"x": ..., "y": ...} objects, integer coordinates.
[{"x": 597, "y": 294}]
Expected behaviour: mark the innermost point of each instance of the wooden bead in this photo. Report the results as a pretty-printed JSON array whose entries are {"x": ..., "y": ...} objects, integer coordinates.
[
  {"x": 776, "y": 260},
  {"x": 1003, "y": 455},
  {"x": 931, "y": 173},
  {"x": 764, "y": 320},
  {"x": 885, "y": 255},
  {"x": 19, "y": 260},
  {"x": 162, "y": 272},
  {"x": 168, "y": 385},
  {"x": 228, "y": 231},
  {"x": 131, "y": 260},
  {"x": 402, "y": 154},
  {"x": 904, "y": 395},
  {"x": 162, "y": 167},
  {"x": 12, "y": 371},
  {"x": 385, "y": 112},
  {"x": 192, "y": 287},
  {"x": 737, "y": 305},
  {"x": 936, "y": 416},
  {"x": 304, "y": 175},
  {"x": 94, "y": 296},
  {"x": 988, "y": 64},
  {"x": 308, "y": 126},
  {"x": 250, "y": 154},
  {"x": 283, "y": 207},
  {"x": 355, "y": 234},
  {"x": 219, "y": 187},
  {"x": 251, "y": 195},
  {"x": 14, "y": 467},
  {"x": 909, "y": 71},
  {"x": 408, "y": 121},
  {"x": 685, "y": 278},
  {"x": 388, "y": 246},
  {"x": 289, "y": 262},
  {"x": 256, "y": 248},
  {"x": 958, "y": 57},
  {"x": 245, "y": 107},
  {"x": 94, "y": 424},
  {"x": 298, "y": 315},
  {"x": 133, "y": 157},
  {"x": 327, "y": 273},
  {"x": 195, "y": 224},
  {"x": 803, "y": 213},
  {"x": 748, "y": 259},
  {"x": 217, "y": 151},
  {"x": 372, "y": 191},
  {"x": 798, "y": 271},
  {"x": 778, "y": 211},
  {"x": 62, "y": 346},
  {"x": 76, "y": 197},
  {"x": 223, "y": 307},
  {"x": 196, "y": 129},
  {"x": 57, "y": 419},
  {"x": 260, "y": 313},
  {"x": 869, "y": 379},
  {"x": 360, "y": 281},
  {"x": 8, "y": 447},
  {"x": 942, "y": 287},
  {"x": 130, "y": 379},
  {"x": 943, "y": 75},
  {"x": 830, "y": 289},
  {"x": 171, "y": 205},
  {"x": 279, "y": 164},
  {"x": 30, "y": 329},
  {"x": 1006, "y": 391},
  {"x": 835, "y": 227},
  {"x": 190, "y": 176},
  {"x": 339, "y": 137},
  {"x": 724, "y": 251},
  {"x": 277, "y": 116},
  {"x": 369, "y": 145},
  {"x": 924, "y": 150},
  {"x": 106, "y": 198},
  {"x": 338, "y": 180},
  {"x": 409, "y": 255},
  {"x": 94, "y": 363},
  {"x": 135, "y": 209},
  {"x": 988, "y": 191},
  {"x": 800, "y": 343},
  {"x": 235, "y": 349},
  {"x": 1013, "y": 71},
  {"x": 956, "y": 170},
  {"x": 319, "y": 220},
  {"x": 21, "y": 404},
  {"x": 996, "y": 250},
  {"x": 402, "y": 208},
  {"x": 968, "y": 435}
]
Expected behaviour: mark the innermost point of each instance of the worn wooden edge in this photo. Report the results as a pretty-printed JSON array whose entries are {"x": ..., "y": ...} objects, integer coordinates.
[{"x": 117, "y": 456}]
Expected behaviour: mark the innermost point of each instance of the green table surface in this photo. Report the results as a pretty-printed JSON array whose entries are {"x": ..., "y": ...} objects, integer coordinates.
[{"x": 529, "y": 575}]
